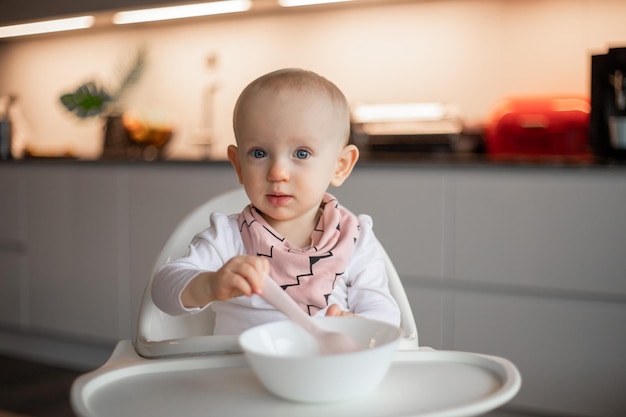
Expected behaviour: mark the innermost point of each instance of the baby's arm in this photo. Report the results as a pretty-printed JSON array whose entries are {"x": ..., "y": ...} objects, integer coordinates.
[
  {"x": 218, "y": 249},
  {"x": 241, "y": 275}
]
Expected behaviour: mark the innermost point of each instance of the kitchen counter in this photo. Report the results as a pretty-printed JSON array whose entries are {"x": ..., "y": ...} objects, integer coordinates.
[{"x": 386, "y": 159}]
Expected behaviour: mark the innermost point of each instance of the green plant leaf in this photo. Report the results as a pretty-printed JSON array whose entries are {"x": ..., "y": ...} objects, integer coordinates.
[
  {"x": 131, "y": 74},
  {"x": 87, "y": 100}
]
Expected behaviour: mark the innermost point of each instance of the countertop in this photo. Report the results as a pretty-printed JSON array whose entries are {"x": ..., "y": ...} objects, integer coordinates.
[{"x": 444, "y": 160}]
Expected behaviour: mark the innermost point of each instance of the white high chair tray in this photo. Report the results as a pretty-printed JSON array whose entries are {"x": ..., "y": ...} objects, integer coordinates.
[{"x": 424, "y": 383}]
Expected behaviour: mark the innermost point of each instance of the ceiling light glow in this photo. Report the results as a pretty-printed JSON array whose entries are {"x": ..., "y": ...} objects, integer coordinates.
[
  {"x": 182, "y": 11},
  {"x": 295, "y": 3},
  {"x": 46, "y": 26}
]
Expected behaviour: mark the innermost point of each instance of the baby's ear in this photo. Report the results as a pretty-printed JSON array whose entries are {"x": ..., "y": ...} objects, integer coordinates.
[
  {"x": 233, "y": 156},
  {"x": 345, "y": 164}
]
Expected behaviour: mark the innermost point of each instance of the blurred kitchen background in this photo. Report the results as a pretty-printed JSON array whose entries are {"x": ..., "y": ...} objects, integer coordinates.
[
  {"x": 520, "y": 260},
  {"x": 467, "y": 54}
]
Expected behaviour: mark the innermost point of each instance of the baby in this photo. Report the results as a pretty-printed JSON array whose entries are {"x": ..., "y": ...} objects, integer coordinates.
[{"x": 291, "y": 128}]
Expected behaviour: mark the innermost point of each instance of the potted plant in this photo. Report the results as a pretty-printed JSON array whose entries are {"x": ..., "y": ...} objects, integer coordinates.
[{"x": 92, "y": 99}]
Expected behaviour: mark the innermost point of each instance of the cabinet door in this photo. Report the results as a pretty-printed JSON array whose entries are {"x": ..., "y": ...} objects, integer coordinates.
[
  {"x": 569, "y": 352},
  {"x": 554, "y": 229},
  {"x": 12, "y": 247},
  {"x": 73, "y": 263},
  {"x": 10, "y": 288}
]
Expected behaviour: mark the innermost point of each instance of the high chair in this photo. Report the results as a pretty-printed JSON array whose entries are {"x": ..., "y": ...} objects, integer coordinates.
[
  {"x": 162, "y": 335},
  {"x": 175, "y": 366}
]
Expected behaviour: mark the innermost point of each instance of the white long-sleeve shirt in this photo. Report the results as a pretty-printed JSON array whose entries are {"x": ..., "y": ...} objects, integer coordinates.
[{"x": 363, "y": 288}]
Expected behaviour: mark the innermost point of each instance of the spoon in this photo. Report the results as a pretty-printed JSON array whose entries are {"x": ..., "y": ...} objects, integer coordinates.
[{"x": 329, "y": 342}]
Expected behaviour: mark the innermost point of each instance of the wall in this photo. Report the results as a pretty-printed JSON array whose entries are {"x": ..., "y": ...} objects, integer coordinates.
[{"x": 465, "y": 52}]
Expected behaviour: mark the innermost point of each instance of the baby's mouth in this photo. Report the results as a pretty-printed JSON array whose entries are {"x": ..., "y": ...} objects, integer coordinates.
[{"x": 278, "y": 199}]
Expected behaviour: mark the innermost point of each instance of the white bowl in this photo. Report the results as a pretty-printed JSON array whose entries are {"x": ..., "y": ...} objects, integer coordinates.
[{"x": 287, "y": 361}]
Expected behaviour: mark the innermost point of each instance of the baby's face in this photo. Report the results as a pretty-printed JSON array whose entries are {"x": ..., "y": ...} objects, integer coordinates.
[{"x": 289, "y": 144}]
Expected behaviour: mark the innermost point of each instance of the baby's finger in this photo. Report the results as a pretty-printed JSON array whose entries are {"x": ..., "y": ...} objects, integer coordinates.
[
  {"x": 257, "y": 279},
  {"x": 242, "y": 286},
  {"x": 252, "y": 270},
  {"x": 334, "y": 310}
]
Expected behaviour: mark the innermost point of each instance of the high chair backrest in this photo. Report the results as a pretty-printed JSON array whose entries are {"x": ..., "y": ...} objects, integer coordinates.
[{"x": 160, "y": 335}]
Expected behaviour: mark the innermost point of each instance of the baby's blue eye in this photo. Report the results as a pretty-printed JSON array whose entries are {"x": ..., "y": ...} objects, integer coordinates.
[
  {"x": 258, "y": 153},
  {"x": 302, "y": 154}
]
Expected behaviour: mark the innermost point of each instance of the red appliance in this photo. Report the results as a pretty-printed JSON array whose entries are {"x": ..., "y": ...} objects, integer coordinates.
[{"x": 539, "y": 126}]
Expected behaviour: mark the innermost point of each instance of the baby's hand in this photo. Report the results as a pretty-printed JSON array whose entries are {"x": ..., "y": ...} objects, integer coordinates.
[
  {"x": 335, "y": 310},
  {"x": 241, "y": 275}
]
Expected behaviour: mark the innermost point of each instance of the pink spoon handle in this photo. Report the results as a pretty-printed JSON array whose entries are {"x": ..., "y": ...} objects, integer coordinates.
[
  {"x": 276, "y": 296},
  {"x": 329, "y": 342}
]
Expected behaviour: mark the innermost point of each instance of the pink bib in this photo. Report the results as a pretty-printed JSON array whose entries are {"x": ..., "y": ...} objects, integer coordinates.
[{"x": 307, "y": 275}]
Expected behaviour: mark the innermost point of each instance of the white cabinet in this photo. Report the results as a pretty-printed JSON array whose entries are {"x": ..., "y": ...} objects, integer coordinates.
[
  {"x": 77, "y": 242},
  {"x": 570, "y": 352},
  {"x": 548, "y": 229},
  {"x": 72, "y": 234}
]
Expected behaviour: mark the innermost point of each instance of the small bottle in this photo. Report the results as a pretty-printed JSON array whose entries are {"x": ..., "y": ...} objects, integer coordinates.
[{"x": 6, "y": 131}]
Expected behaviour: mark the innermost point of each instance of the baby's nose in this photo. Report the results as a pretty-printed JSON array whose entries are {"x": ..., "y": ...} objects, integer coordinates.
[{"x": 278, "y": 171}]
